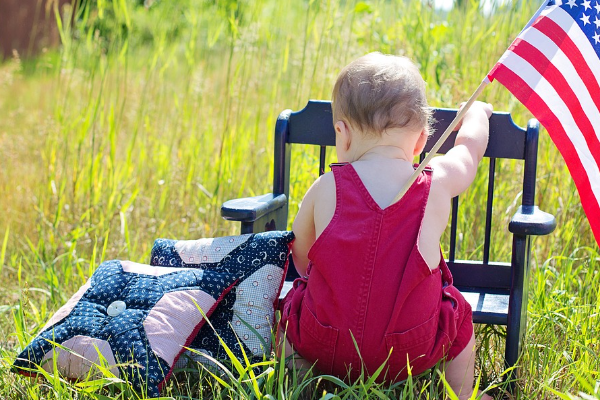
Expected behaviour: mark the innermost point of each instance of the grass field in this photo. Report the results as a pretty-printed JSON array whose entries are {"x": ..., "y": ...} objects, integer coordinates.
[{"x": 148, "y": 118}]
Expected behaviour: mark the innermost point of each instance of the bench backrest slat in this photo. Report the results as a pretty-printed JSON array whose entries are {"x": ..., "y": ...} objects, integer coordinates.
[
  {"x": 453, "y": 226},
  {"x": 322, "y": 157},
  {"x": 314, "y": 125},
  {"x": 507, "y": 140},
  {"x": 471, "y": 274},
  {"x": 489, "y": 206}
]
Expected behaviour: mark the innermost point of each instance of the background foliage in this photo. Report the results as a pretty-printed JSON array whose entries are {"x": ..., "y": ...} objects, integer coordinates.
[{"x": 155, "y": 112}]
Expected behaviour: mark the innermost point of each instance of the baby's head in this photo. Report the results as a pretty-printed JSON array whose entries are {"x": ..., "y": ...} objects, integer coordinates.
[{"x": 378, "y": 92}]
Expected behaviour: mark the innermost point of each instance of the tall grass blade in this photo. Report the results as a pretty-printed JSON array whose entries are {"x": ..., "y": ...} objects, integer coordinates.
[{"x": 3, "y": 250}]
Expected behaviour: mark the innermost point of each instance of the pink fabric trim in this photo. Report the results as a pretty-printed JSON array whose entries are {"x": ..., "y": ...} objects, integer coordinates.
[
  {"x": 85, "y": 354},
  {"x": 143, "y": 269},
  {"x": 173, "y": 319},
  {"x": 66, "y": 309},
  {"x": 195, "y": 332}
]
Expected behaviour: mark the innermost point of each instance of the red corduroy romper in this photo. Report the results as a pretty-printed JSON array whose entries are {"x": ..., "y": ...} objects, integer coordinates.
[{"x": 369, "y": 288}]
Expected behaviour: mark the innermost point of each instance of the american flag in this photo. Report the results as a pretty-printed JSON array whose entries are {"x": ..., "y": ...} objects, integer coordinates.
[{"x": 553, "y": 68}]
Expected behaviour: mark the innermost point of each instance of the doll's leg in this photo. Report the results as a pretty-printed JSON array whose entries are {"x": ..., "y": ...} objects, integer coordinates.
[{"x": 460, "y": 372}]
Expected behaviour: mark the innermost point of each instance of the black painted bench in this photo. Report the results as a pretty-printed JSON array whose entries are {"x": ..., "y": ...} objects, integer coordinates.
[{"x": 496, "y": 291}]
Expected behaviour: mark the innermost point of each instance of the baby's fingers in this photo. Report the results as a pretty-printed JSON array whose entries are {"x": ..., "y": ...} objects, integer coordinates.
[{"x": 488, "y": 108}]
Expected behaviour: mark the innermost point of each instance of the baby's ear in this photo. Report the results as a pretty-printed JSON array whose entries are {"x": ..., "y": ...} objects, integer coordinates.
[
  {"x": 421, "y": 142},
  {"x": 342, "y": 135}
]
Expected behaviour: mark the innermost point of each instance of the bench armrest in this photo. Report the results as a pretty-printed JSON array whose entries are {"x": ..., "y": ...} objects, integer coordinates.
[
  {"x": 250, "y": 209},
  {"x": 530, "y": 220}
]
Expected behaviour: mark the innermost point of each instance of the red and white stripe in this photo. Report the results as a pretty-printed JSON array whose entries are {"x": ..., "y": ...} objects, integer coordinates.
[{"x": 553, "y": 70}]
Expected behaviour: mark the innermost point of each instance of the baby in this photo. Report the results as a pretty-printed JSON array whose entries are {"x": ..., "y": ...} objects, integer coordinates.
[{"x": 375, "y": 287}]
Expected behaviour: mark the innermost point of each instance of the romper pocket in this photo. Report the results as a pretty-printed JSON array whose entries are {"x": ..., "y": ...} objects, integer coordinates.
[
  {"x": 416, "y": 344},
  {"x": 320, "y": 348},
  {"x": 453, "y": 312}
]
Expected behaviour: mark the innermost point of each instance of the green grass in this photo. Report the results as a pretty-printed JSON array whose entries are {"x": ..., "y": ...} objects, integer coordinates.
[{"x": 147, "y": 120}]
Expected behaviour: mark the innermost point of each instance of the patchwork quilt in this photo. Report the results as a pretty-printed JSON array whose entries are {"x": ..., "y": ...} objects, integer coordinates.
[{"x": 137, "y": 319}]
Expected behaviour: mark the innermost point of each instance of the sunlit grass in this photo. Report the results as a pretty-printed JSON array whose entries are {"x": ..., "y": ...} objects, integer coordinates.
[{"x": 148, "y": 119}]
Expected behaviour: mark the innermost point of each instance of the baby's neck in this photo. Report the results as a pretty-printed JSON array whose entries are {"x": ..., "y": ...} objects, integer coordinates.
[{"x": 383, "y": 151}]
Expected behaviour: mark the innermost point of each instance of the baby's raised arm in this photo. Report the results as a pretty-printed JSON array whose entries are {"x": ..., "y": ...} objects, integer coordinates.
[{"x": 456, "y": 170}]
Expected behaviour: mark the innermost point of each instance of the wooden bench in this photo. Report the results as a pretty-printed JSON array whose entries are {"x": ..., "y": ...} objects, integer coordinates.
[{"x": 497, "y": 291}]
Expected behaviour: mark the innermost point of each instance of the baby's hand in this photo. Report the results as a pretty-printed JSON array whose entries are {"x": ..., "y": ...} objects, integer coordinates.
[
  {"x": 479, "y": 106},
  {"x": 459, "y": 164},
  {"x": 475, "y": 111}
]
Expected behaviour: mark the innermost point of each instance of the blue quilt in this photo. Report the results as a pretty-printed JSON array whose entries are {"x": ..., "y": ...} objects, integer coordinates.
[{"x": 137, "y": 319}]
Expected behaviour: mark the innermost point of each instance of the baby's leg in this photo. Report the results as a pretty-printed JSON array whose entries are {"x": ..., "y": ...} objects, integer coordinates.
[
  {"x": 295, "y": 361},
  {"x": 460, "y": 372}
]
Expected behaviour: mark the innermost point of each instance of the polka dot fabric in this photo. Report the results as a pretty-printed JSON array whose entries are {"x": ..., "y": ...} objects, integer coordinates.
[
  {"x": 141, "y": 316},
  {"x": 247, "y": 311}
]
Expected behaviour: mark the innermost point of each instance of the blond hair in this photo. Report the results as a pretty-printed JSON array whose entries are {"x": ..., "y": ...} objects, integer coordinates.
[{"x": 377, "y": 92}]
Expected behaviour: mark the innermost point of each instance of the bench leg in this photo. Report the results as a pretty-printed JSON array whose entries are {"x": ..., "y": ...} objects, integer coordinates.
[{"x": 517, "y": 307}]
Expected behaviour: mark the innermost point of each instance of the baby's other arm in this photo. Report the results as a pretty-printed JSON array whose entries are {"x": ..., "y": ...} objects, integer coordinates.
[
  {"x": 456, "y": 170},
  {"x": 304, "y": 230}
]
